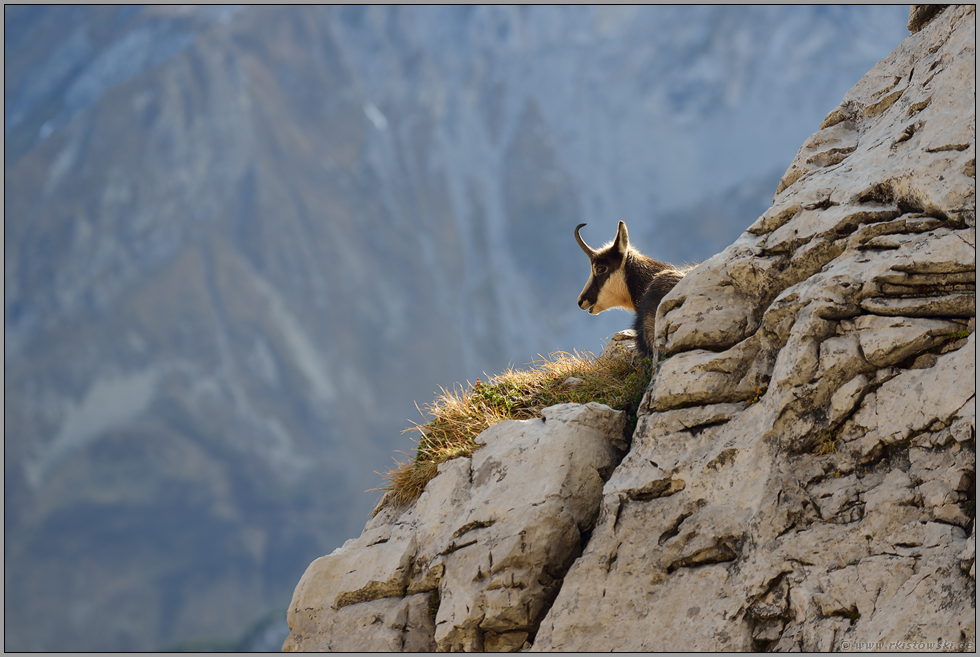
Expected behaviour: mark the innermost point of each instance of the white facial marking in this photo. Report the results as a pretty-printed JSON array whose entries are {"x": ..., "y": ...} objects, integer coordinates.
[{"x": 614, "y": 294}]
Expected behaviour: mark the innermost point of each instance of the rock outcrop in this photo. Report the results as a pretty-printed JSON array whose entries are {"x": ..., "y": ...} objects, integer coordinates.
[
  {"x": 475, "y": 562},
  {"x": 802, "y": 476}
]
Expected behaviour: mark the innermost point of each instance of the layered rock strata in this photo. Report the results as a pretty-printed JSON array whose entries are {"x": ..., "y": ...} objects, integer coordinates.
[
  {"x": 802, "y": 476},
  {"x": 805, "y": 475}
]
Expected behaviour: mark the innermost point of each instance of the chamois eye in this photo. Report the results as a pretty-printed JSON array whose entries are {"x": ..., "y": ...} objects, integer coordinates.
[{"x": 601, "y": 269}]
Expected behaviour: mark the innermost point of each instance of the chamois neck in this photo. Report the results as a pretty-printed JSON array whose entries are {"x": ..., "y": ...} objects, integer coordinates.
[{"x": 640, "y": 270}]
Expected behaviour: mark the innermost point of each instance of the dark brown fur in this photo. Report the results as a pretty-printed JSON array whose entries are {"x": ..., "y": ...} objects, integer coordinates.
[{"x": 645, "y": 323}]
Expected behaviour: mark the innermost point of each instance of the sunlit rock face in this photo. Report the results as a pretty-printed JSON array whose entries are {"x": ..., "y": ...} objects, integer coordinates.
[
  {"x": 802, "y": 474},
  {"x": 812, "y": 429},
  {"x": 240, "y": 242},
  {"x": 476, "y": 561}
]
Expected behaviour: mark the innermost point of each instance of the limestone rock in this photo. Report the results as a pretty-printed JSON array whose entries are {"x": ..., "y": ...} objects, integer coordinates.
[
  {"x": 919, "y": 15},
  {"x": 804, "y": 478},
  {"x": 887, "y": 341},
  {"x": 802, "y": 474},
  {"x": 475, "y": 561},
  {"x": 621, "y": 345}
]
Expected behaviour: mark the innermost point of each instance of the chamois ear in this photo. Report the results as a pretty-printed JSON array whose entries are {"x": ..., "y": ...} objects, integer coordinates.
[{"x": 622, "y": 242}]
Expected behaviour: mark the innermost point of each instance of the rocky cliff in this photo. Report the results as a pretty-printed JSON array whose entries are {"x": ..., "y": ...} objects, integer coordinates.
[
  {"x": 803, "y": 472},
  {"x": 239, "y": 241}
]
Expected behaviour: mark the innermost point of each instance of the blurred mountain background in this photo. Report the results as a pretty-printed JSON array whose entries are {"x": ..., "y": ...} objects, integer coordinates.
[{"x": 241, "y": 242}]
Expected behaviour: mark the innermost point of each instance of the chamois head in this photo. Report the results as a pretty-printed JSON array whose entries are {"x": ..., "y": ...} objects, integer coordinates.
[{"x": 607, "y": 287}]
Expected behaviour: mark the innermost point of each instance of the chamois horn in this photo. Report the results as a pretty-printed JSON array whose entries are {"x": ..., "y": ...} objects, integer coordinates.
[{"x": 589, "y": 251}]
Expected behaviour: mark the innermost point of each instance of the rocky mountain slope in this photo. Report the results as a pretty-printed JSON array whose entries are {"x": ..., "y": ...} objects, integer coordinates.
[
  {"x": 240, "y": 242},
  {"x": 803, "y": 477}
]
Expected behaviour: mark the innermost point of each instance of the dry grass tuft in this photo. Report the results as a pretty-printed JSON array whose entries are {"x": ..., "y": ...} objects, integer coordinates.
[{"x": 460, "y": 415}]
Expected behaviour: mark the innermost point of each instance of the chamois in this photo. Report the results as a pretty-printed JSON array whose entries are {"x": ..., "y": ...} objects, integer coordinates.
[{"x": 622, "y": 277}]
